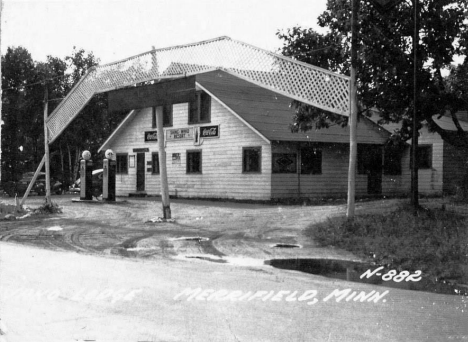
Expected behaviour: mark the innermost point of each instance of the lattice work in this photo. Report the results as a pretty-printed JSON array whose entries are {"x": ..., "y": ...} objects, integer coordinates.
[{"x": 309, "y": 84}]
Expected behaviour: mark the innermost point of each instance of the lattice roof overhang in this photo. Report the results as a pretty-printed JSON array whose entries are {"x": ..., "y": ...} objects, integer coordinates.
[{"x": 300, "y": 81}]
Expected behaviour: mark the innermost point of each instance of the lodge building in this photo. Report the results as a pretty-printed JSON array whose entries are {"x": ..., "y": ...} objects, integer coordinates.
[{"x": 228, "y": 138}]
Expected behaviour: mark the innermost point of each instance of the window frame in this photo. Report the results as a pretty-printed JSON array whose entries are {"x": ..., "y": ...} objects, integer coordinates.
[
  {"x": 153, "y": 159},
  {"x": 168, "y": 112},
  {"x": 276, "y": 154},
  {"x": 167, "y": 108},
  {"x": 187, "y": 152},
  {"x": 392, "y": 158},
  {"x": 429, "y": 156},
  {"x": 251, "y": 148},
  {"x": 198, "y": 106},
  {"x": 117, "y": 169},
  {"x": 315, "y": 170}
]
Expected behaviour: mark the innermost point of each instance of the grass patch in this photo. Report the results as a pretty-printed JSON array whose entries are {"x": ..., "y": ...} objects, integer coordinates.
[{"x": 435, "y": 241}]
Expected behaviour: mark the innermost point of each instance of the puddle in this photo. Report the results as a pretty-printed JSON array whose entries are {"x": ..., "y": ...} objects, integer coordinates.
[
  {"x": 352, "y": 271},
  {"x": 206, "y": 258},
  {"x": 190, "y": 238},
  {"x": 286, "y": 245}
]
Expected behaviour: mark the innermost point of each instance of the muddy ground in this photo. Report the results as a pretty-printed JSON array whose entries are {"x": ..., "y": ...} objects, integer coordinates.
[{"x": 201, "y": 228}]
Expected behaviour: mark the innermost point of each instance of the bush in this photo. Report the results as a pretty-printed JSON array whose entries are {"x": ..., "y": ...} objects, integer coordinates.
[
  {"x": 434, "y": 241},
  {"x": 461, "y": 190},
  {"x": 46, "y": 208}
]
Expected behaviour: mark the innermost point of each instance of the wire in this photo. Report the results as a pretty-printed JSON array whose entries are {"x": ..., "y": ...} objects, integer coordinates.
[
  {"x": 36, "y": 83},
  {"x": 310, "y": 51}
]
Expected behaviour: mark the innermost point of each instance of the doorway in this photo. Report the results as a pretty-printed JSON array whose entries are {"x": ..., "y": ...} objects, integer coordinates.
[
  {"x": 140, "y": 172},
  {"x": 370, "y": 163}
]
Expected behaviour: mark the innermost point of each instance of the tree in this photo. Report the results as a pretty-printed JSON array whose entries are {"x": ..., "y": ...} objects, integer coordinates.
[
  {"x": 18, "y": 70},
  {"x": 24, "y": 82},
  {"x": 385, "y": 68}
]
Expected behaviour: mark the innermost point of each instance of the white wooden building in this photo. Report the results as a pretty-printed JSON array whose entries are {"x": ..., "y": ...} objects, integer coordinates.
[
  {"x": 441, "y": 166},
  {"x": 228, "y": 138}
]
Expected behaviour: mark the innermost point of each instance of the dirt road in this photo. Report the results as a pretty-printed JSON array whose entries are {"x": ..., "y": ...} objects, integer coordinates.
[
  {"x": 229, "y": 229},
  {"x": 131, "y": 280}
]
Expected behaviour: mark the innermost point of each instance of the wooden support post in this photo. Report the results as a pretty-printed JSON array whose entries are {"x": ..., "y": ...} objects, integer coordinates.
[
  {"x": 414, "y": 142},
  {"x": 162, "y": 164},
  {"x": 353, "y": 114},
  {"x": 33, "y": 180},
  {"x": 46, "y": 145}
]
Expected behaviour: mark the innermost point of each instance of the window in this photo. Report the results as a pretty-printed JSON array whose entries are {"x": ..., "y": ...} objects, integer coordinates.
[
  {"x": 369, "y": 159},
  {"x": 392, "y": 160},
  {"x": 122, "y": 163},
  {"x": 251, "y": 159},
  {"x": 155, "y": 163},
  {"x": 200, "y": 108},
  {"x": 311, "y": 160},
  {"x": 424, "y": 157},
  {"x": 167, "y": 116},
  {"x": 194, "y": 161},
  {"x": 284, "y": 163}
]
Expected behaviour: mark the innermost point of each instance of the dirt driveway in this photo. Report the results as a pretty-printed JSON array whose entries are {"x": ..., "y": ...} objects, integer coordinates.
[{"x": 202, "y": 229}]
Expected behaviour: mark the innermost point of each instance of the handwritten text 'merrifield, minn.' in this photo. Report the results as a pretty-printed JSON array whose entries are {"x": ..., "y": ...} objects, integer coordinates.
[{"x": 309, "y": 296}]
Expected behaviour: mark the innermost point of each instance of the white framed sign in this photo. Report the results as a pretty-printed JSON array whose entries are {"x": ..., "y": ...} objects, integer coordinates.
[{"x": 179, "y": 133}]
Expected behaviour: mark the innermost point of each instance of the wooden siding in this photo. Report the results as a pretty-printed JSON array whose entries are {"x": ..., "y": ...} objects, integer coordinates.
[
  {"x": 430, "y": 181},
  {"x": 221, "y": 175},
  {"x": 332, "y": 182},
  {"x": 455, "y": 167}
]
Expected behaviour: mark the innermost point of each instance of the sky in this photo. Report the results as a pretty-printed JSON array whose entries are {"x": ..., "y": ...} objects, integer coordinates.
[{"x": 117, "y": 29}]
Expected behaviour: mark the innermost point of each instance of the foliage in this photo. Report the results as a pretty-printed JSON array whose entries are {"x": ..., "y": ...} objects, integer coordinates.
[
  {"x": 386, "y": 63},
  {"x": 24, "y": 82},
  {"x": 434, "y": 241}
]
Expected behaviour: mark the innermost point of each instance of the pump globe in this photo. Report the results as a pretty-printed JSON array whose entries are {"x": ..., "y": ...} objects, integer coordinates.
[
  {"x": 86, "y": 155},
  {"x": 109, "y": 154}
]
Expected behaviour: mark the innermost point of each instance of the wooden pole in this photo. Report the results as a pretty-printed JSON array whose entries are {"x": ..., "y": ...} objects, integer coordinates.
[
  {"x": 33, "y": 180},
  {"x": 1, "y": 10},
  {"x": 414, "y": 145},
  {"x": 46, "y": 144},
  {"x": 162, "y": 164},
  {"x": 353, "y": 114}
]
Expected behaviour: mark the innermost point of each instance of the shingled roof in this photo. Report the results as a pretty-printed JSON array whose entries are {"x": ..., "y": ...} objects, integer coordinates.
[{"x": 271, "y": 114}]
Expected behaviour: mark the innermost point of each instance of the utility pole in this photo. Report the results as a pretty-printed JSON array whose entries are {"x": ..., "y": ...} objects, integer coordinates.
[
  {"x": 46, "y": 143},
  {"x": 166, "y": 206},
  {"x": 353, "y": 113},
  {"x": 414, "y": 145}
]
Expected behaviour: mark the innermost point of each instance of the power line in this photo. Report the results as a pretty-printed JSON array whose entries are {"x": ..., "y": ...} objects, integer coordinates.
[{"x": 36, "y": 83}]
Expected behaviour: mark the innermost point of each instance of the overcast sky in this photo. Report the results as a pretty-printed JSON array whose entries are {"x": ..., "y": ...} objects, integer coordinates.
[{"x": 116, "y": 29}]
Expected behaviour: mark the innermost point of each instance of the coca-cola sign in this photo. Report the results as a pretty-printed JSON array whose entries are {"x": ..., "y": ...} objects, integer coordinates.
[
  {"x": 209, "y": 132},
  {"x": 151, "y": 136}
]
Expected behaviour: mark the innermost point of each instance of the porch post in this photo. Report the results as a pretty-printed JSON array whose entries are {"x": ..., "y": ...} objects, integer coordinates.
[
  {"x": 162, "y": 164},
  {"x": 46, "y": 144}
]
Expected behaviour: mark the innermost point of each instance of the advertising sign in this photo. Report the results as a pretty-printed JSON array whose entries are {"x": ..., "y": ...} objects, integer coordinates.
[
  {"x": 209, "y": 132},
  {"x": 151, "y": 136},
  {"x": 179, "y": 134}
]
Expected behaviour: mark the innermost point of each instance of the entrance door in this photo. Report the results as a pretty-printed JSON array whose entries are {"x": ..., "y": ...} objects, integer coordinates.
[
  {"x": 370, "y": 162},
  {"x": 140, "y": 172}
]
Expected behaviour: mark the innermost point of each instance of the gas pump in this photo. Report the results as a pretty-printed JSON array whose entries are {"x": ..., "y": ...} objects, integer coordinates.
[
  {"x": 108, "y": 187},
  {"x": 86, "y": 176}
]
